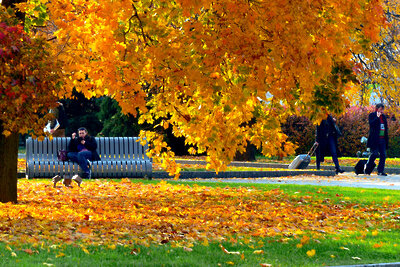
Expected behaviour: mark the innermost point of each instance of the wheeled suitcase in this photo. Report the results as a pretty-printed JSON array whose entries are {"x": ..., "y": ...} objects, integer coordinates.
[
  {"x": 359, "y": 168},
  {"x": 302, "y": 161}
]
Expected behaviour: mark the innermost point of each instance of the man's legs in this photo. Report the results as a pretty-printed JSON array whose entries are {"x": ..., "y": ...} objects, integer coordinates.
[
  {"x": 73, "y": 156},
  {"x": 83, "y": 158},
  {"x": 318, "y": 157},
  {"x": 371, "y": 159},
  {"x": 332, "y": 147},
  {"x": 382, "y": 155}
]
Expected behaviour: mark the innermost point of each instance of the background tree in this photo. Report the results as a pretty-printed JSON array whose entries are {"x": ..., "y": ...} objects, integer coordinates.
[
  {"x": 29, "y": 86},
  {"x": 115, "y": 123},
  {"x": 379, "y": 71},
  {"x": 82, "y": 112}
]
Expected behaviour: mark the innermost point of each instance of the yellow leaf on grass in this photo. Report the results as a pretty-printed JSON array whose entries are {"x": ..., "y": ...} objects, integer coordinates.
[
  {"x": 258, "y": 252},
  {"x": 311, "y": 253},
  {"x": 85, "y": 250}
]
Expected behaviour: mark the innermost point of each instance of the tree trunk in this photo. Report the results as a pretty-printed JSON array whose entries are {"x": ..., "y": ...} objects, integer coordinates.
[
  {"x": 8, "y": 167},
  {"x": 9, "y": 145},
  {"x": 248, "y": 155}
]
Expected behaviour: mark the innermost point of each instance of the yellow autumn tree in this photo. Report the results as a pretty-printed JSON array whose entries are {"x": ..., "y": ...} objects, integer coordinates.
[
  {"x": 380, "y": 71},
  {"x": 220, "y": 73}
]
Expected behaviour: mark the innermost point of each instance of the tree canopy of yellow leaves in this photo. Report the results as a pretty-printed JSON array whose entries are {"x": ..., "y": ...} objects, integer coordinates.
[
  {"x": 108, "y": 213},
  {"x": 220, "y": 73}
]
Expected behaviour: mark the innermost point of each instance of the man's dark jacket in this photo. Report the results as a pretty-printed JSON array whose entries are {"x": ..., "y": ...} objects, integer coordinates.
[
  {"x": 90, "y": 144},
  {"x": 374, "y": 129}
]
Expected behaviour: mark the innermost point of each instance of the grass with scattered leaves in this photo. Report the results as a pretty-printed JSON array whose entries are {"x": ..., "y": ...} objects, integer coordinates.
[
  {"x": 343, "y": 249},
  {"x": 153, "y": 223}
]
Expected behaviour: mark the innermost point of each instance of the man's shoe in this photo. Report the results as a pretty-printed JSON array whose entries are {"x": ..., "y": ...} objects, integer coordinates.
[
  {"x": 382, "y": 174},
  {"x": 77, "y": 179},
  {"x": 56, "y": 179},
  {"x": 339, "y": 171}
]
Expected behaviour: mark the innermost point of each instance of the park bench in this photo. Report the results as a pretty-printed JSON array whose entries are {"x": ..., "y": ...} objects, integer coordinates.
[{"x": 120, "y": 157}]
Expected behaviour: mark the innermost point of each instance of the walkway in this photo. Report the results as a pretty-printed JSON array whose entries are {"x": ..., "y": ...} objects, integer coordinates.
[{"x": 325, "y": 177}]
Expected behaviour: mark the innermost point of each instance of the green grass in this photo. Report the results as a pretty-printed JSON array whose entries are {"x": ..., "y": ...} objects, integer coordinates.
[
  {"x": 335, "y": 193},
  {"x": 232, "y": 168},
  {"x": 331, "y": 250},
  {"x": 21, "y": 150}
]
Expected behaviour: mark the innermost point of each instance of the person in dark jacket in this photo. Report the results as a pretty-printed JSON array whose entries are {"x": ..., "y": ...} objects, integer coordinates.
[
  {"x": 327, "y": 134},
  {"x": 378, "y": 140},
  {"x": 81, "y": 149}
]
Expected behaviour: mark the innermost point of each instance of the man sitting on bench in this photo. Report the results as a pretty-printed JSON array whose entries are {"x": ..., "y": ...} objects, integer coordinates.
[{"x": 80, "y": 150}]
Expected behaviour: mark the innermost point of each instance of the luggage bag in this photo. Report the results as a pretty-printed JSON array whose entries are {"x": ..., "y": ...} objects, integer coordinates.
[
  {"x": 302, "y": 161},
  {"x": 359, "y": 168}
]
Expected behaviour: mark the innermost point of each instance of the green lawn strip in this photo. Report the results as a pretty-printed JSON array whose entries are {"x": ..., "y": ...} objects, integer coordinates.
[
  {"x": 233, "y": 168},
  {"x": 340, "y": 249},
  {"x": 335, "y": 193}
]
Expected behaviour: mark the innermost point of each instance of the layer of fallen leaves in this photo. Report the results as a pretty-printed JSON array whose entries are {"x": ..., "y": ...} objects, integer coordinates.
[
  {"x": 21, "y": 165},
  {"x": 108, "y": 212}
]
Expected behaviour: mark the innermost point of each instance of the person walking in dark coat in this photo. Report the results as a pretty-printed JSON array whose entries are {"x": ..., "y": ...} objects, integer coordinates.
[
  {"x": 378, "y": 139},
  {"x": 327, "y": 134}
]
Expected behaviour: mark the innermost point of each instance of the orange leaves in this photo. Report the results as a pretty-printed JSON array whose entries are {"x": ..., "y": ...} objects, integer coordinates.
[
  {"x": 85, "y": 230},
  {"x": 107, "y": 212}
]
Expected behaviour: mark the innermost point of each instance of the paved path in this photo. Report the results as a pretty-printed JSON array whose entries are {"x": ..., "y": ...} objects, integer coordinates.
[
  {"x": 324, "y": 177},
  {"x": 345, "y": 179}
]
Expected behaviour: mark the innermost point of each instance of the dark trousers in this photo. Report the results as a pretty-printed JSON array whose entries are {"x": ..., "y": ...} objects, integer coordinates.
[
  {"x": 332, "y": 148},
  {"x": 82, "y": 159},
  {"x": 378, "y": 151}
]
